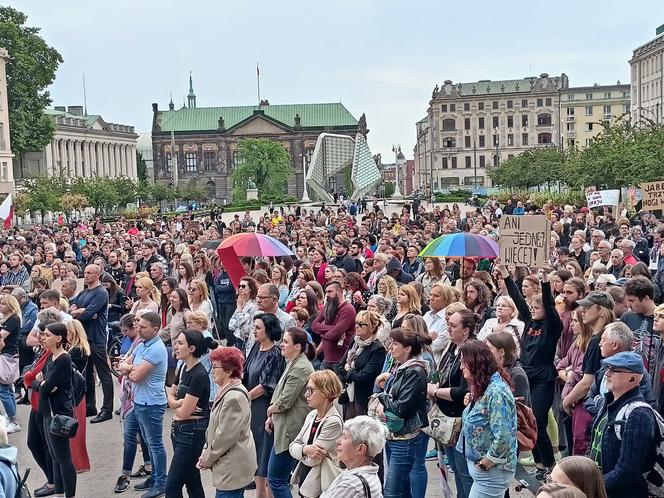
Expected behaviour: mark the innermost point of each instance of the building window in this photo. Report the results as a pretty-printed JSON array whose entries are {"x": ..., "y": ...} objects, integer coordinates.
[
  {"x": 443, "y": 108},
  {"x": 449, "y": 142},
  {"x": 168, "y": 167},
  {"x": 480, "y": 106},
  {"x": 544, "y": 138},
  {"x": 510, "y": 121},
  {"x": 468, "y": 165},
  {"x": 452, "y": 107},
  {"x": 589, "y": 110},
  {"x": 510, "y": 104},
  {"x": 449, "y": 124},
  {"x": 495, "y": 140},
  {"x": 495, "y": 121},
  {"x": 466, "y": 123},
  {"x": 607, "y": 109},
  {"x": 570, "y": 143},
  {"x": 524, "y": 103},
  {"x": 544, "y": 119},
  {"x": 540, "y": 102},
  {"x": 482, "y": 141},
  {"x": 524, "y": 139},
  {"x": 190, "y": 162},
  {"x": 548, "y": 101},
  {"x": 496, "y": 160},
  {"x": 466, "y": 141},
  {"x": 625, "y": 108},
  {"x": 236, "y": 158},
  {"x": 589, "y": 126},
  {"x": 589, "y": 141},
  {"x": 494, "y": 105},
  {"x": 570, "y": 111},
  {"x": 570, "y": 126},
  {"x": 570, "y": 96},
  {"x": 482, "y": 161},
  {"x": 589, "y": 96},
  {"x": 524, "y": 120},
  {"x": 510, "y": 139},
  {"x": 607, "y": 95},
  {"x": 454, "y": 163},
  {"x": 209, "y": 160},
  {"x": 480, "y": 124},
  {"x": 466, "y": 106},
  {"x": 445, "y": 163}
]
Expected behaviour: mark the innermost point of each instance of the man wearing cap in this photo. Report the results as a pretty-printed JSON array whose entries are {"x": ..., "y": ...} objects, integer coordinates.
[
  {"x": 621, "y": 444},
  {"x": 395, "y": 271}
]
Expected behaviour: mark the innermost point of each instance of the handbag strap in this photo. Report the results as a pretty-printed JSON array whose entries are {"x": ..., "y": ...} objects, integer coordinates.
[
  {"x": 216, "y": 403},
  {"x": 365, "y": 485}
]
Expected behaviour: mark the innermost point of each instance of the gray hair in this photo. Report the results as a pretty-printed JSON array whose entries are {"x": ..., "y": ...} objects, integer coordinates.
[
  {"x": 599, "y": 233},
  {"x": 381, "y": 302},
  {"x": 619, "y": 333},
  {"x": 48, "y": 316},
  {"x": 628, "y": 242},
  {"x": 365, "y": 430},
  {"x": 619, "y": 252},
  {"x": 18, "y": 293},
  {"x": 70, "y": 281}
]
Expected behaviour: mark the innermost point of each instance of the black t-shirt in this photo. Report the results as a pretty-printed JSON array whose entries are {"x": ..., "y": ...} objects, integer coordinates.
[
  {"x": 592, "y": 359},
  {"x": 13, "y": 326},
  {"x": 194, "y": 382}
]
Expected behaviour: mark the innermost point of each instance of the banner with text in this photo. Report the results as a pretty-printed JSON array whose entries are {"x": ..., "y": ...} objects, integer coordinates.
[
  {"x": 652, "y": 195},
  {"x": 524, "y": 241},
  {"x": 603, "y": 198}
]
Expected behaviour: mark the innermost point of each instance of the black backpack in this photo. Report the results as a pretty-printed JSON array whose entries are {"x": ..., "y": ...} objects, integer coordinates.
[{"x": 22, "y": 490}]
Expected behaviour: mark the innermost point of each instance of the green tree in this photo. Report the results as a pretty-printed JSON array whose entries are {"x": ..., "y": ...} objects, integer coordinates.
[
  {"x": 126, "y": 191},
  {"x": 101, "y": 193},
  {"x": 266, "y": 162},
  {"x": 70, "y": 203},
  {"x": 30, "y": 71},
  {"x": 191, "y": 191},
  {"x": 141, "y": 168},
  {"x": 161, "y": 192},
  {"x": 43, "y": 194}
]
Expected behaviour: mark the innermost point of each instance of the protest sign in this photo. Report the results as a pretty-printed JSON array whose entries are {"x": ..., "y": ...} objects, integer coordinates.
[
  {"x": 652, "y": 195},
  {"x": 602, "y": 198},
  {"x": 524, "y": 241}
]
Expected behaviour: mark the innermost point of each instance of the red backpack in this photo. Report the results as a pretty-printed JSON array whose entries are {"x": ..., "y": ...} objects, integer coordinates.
[{"x": 526, "y": 426}]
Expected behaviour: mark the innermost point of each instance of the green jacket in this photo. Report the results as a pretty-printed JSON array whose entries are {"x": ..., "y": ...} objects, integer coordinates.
[{"x": 291, "y": 406}]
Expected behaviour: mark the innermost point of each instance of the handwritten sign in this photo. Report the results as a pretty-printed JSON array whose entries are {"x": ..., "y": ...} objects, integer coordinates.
[
  {"x": 602, "y": 198},
  {"x": 652, "y": 195},
  {"x": 524, "y": 241}
]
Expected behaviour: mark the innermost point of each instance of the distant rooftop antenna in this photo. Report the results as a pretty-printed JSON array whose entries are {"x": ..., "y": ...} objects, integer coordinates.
[{"x": 85, "y": 98}]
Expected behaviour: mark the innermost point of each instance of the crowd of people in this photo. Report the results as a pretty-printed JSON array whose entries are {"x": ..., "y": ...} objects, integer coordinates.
[{"x": 338, "y": 371}]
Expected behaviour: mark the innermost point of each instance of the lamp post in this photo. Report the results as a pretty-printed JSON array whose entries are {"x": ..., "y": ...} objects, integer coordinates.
[
  {"x": 305, "y": 192},
  {"x": 397, "y": 192}
]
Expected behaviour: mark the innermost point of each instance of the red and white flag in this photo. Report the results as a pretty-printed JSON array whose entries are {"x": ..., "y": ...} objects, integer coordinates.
[{"x": 7, "y": 211}]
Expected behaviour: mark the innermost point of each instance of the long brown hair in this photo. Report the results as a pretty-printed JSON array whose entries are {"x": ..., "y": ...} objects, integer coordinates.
[
  {"x": 583, "y": 339},
  {"x": 584, "y": 474},
  {"x": 479, "y": 360}
]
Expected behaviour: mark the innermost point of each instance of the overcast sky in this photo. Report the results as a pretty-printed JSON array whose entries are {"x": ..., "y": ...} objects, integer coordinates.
[{"x": 380, "y": 57}]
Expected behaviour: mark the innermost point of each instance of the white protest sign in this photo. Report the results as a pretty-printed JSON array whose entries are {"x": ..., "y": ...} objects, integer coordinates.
[
  {"x": 603, "y": 198},
  {"x": 524, "y": 241}
]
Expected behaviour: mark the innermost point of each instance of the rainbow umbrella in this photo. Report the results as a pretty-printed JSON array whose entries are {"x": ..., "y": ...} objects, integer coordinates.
[
  {"x": 255, "y": 244},
  {"x": 463, "y": 245}
]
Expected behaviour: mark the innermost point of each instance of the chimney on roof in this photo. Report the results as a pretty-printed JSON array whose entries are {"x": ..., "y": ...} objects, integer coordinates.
[
  {"x": 76, "y": 110},
  {"x": 60, "y": 108},
  {"x": 264, "y": 102}
]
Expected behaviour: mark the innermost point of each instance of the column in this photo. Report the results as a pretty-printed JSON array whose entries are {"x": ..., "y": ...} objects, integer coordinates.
[
  {"x": 111, "y": 160},
  {"x": 49, "y": 159},
  {"x": 70, "y": 160},
  {"x": 126, "y": 162},
  {"x": 54, "y": 155},
  {"x": 78, "y": 158},
  {"x": 102, "y": 159},
  {"x": 104, "y": 149},
  {"x": 85, "y": 154},
  {"x": 116, "y": 161},
  {"x": 94, "y": 172},
  {"x": 60, "y": 164},
  {"x": 132, "y": 161}
]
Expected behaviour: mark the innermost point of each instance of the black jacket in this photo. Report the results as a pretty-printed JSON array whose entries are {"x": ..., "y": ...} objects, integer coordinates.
[
  {"x": 450, "y": 375},
  {"x": 406, "y": 397},
  {"x": 368, "y": 365}
]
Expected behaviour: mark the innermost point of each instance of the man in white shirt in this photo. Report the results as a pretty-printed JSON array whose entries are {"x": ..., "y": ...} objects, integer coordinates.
[{"x": 435, "y": 320}]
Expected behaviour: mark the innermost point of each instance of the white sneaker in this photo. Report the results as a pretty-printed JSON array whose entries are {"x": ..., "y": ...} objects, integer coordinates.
[{"x": 13, "y": 427}]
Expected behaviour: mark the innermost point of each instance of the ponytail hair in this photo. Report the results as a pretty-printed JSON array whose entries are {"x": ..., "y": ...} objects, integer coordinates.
[
  {"x": 300, "y": 336},
  {"x": 59, "y": 329}
]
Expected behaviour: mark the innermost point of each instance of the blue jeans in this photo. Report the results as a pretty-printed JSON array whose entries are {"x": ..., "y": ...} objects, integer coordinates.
[
  {"x": 491, "y": 483},
  {"x": 188, "y": 438},
  {"x": 150, "y": 419},
  {"x": 8, "y": 400},
  {"x": 131, "y": 434},
  {"x": 238, "y": 493},
  {"x": 406, "y": 469},
  {"x": 279, "y": 469},
  {"x": 462, "y": 479}
]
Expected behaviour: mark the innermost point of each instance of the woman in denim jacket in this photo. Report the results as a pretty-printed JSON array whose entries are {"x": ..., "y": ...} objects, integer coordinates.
[{"x": 488, "y": 431}]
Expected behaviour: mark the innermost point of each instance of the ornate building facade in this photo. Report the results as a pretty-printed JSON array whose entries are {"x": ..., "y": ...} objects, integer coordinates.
[
  {"x": 471, "y": 127},
  {"x": 205, "y": 140},
  {"x": 647, "y": 68},
  {"x": 84, "y": 145}
]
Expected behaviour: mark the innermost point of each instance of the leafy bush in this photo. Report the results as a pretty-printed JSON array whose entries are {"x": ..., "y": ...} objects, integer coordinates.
[{"x": 574, "y": 198}]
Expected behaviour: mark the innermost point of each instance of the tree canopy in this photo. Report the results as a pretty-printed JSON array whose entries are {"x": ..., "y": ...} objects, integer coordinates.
[
  {"x": 30, "y": 71},
  {"x": 264, "y": 161}
]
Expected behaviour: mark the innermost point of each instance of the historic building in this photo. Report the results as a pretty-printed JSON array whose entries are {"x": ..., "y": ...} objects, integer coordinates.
[
  {"x": 474, "y": 126},
  {"x": 647, "y": 67},
  {"x": 84, "y": 145},
  {"x": 205, "y": 139},
  {"x": 421, "y": 170},
  {"x": 6, "y": 156},
  {"x": 584, "y": 109}
]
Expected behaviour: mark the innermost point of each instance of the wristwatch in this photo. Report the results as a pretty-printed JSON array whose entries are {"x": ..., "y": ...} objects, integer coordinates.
[{"x": 482, "y": 466}]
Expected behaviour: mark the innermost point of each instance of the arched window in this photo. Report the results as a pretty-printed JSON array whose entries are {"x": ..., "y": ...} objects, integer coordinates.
[
  {"x": 544, "y": 119},
  {"x": 544, "y": 138},
  {"x": 449, "y": 124}
]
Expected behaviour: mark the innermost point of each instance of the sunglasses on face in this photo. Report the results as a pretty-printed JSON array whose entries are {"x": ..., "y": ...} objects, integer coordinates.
[{"x": 242, "y": 286}]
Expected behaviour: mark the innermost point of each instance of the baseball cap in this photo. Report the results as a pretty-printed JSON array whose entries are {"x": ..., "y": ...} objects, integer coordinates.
[
  {"x": 626, "y": 360},
  {"x": 600, "y": 298}
]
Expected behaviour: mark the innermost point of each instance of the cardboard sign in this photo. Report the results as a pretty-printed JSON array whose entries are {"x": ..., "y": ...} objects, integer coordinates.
[
  {"x": 603, "y": 198},
  {"x": 652, "y": 196},
  {"x": 524, "y": 241}
]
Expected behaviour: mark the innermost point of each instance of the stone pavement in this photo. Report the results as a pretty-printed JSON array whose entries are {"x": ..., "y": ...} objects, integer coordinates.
[{"x": 105, "y": 450}]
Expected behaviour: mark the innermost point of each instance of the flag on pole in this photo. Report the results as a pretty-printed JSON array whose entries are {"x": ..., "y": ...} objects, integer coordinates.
[{"x": 7, "y": 211}]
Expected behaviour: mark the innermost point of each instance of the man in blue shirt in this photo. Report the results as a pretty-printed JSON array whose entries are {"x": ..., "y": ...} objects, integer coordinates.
[
  {"x": 146, "y": 369},
  {"x": 91, "y": 309}
]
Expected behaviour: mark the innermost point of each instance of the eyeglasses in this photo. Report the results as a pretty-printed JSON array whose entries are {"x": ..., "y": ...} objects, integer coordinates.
[
  {"x": 360, "y": 324},
  {"x": 260, "y": 298},
  {"x": 192, "y": 290},
  {"x": 214, "y": 367},
  {"x": 309, "y": 391},
  {"x": 616, "y": 370},
  {"x": 242, "y": 286}
]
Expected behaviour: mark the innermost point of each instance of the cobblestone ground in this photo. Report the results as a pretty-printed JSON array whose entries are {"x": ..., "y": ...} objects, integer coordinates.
[{"x": 105, "y": 450}]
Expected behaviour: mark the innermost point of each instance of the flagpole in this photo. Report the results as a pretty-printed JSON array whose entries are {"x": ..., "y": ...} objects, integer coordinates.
[{"x": 258, "y": 83}]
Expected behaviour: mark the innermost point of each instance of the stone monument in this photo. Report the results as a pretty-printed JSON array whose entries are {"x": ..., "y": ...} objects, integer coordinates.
[{"x": 252, "y": 191}]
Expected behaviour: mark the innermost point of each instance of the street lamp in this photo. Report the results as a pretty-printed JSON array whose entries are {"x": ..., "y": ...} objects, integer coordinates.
[
  {"x": 305, "y": 192},
  {"x": 396, "y": 148}
]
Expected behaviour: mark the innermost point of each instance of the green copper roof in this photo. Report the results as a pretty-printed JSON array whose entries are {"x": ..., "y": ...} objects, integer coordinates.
[{"x": 207, "y": 118}]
